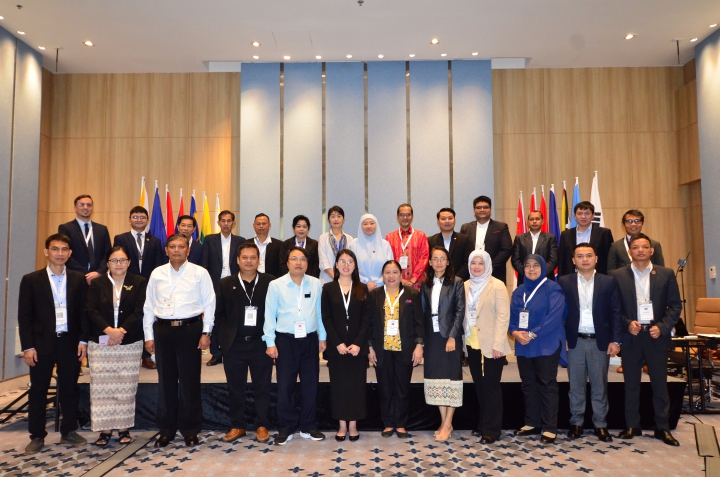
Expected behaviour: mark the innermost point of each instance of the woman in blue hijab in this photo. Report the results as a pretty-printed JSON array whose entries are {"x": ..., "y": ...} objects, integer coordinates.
[{"x": 537, "y": 317}]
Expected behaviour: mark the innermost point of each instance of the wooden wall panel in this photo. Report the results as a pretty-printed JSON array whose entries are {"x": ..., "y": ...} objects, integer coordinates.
[
  {"x": 654, "y": 167},
  {"x": 523, "y": 157},
  {"x": 518, "y": 101},
  {"x": 686, "y": 105},
  {"x": 689, "y": 154},
  {"x": 78, "y": 108},
  {"x": 77, "y": 166},
  {"x": 214, "y": 105},
  {"x": 651, "y": 92}
]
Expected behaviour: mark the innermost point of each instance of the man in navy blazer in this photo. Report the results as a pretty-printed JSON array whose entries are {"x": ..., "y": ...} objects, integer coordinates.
[
  {"x": 458, "y": 245},
  {"x": 600, "y": 238},
  {"x": 145, "y": 251},
  {"x": 489, "y": 235},
  {"x": 593, "y": 332},
  {"x": 89, "y": 241},
  {"x": 186, "y": 226},
  {"x": 219, "y": 258}
]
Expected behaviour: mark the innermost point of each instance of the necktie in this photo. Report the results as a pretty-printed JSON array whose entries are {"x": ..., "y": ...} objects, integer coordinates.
[
  {"x": 91, "y": 249},
  {"x": 140, "y": 250}
]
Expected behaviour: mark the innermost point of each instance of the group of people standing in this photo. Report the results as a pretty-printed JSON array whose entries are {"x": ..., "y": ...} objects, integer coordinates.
[{"x": 395, "y": 301}]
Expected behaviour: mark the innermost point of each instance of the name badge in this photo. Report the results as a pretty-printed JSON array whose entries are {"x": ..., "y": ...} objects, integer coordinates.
[
  {"x": 251, "y": 316},
  {"x": 480, "y": 246},
  {"x": 403, "y": 262},
  {"x": 300, "y": 330},
  {"x": 60, "y": 316},
  {"x": 168, "y": 309},
  {"x": 103, "y": 340},
  {"x": 436, "y": 324},
  {"x": 645, "y": 313},
  {"x": 586, "y": 319},
  {"x": 524, "y": 319},
  {"x": 472, "y": 318},
  {"x": 393, "y": 327}
]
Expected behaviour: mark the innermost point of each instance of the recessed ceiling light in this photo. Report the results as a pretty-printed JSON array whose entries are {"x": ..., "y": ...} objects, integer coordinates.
[
  {"x": 88, "y": 43},
  {"x": 286, "y": 57},
  {"x": 381, "y": 56},
  {"x": 629, "y": 36},
  {"x": 693, "y": 39},
  {"x": 443, "y": 54},
  {"x": 2, "y": 17},
  {"x": 348, "y": 56},
  {"x": 434, "y": 41},
  {"x": 21, "y": 32},
  {"x": 41, "y": 47},
  {"x": 474, "y": 53},
  {"x": 412, "y": 55},
  {"x": 318, "y": 57},
  {"x": 255, "y": 44},
  {"x": 713, "y": 25},
  {"x": 256, "y": 57}
]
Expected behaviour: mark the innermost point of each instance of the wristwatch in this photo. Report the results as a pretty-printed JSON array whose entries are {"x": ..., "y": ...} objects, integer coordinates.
[
  {"x": 616, "y": 343},
  {"x": 531, "y": 335},
  {"x": 208, "y": 334}
]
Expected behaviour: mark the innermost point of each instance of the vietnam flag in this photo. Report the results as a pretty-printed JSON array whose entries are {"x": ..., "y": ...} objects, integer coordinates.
[
  {"x": 543, "y": 210},
  {"x": 170, "y": 223}
]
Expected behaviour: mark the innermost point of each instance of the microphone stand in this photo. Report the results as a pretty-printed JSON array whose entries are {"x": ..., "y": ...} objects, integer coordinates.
[{"x": 682, "y": 330}]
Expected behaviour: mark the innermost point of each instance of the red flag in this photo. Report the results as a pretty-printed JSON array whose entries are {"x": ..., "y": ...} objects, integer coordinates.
[
  {"x": 520, "y": 228},
  {"x": 532, "y": 202},
  {"x": 543, "y": 210},
  {"x": 170, "y": 223}
]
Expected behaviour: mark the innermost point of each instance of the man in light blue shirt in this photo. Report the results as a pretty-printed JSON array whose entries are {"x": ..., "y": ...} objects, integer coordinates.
[{"x": 295, "y": 337}]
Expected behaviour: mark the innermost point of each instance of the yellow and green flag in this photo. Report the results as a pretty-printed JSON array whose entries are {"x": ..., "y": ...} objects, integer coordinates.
[{"x": 206, "y": 228}]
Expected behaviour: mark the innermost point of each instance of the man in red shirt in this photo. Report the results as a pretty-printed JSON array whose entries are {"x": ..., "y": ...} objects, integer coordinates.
[{"x": 410, "y": 248}]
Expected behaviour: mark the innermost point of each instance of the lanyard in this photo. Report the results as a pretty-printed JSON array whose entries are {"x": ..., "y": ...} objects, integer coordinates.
[
  {"x": 585, "y": 300},
  {"x": 346, "y": 302},
  {"x": 89, "y": 236},
  {"x": 300, "y": 244},
  {"x": 391, "y": 306},
  {"x": 117, "y": 292},
  {"x": 242, "y": 283},
  {"x": 525, "y": 302},
  {"x": 404, "y": 245},
  {"x": 61, "y": 292}
]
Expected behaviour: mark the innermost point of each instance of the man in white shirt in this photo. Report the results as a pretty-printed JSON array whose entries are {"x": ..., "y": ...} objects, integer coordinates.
[
  {"x": 179, "y": 314},
  {"x": 490, "y": 235},
  {"x": 535, "y": 241}
]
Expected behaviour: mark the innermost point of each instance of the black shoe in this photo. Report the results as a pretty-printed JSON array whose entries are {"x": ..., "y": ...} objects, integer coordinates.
[
  {"x": 387, "y": 433},
  {"x": 353, "y": 438},
  {"x": 667, "y": 438},
  {"x": 575, "y": 432},
  {"x": 340, "y": 438},
  {"x": 402, "y": 435},
  {"x": 487, "y": 440},
  {"x": 213, "y": 362},
  {"x": 532, "y": 431},
  {"x": 603, "y": 434},
  {"x": 465, "y": 362},
  {"x": 162, "y": 441},
  {"x": 548, "y": 438},
  {"x": 476, "y": 433},
  {"x": 282, "y": 439},
  {"x": 630, "y": 432},
  {"x": 191, "y": 441},
  {"x": 313, "y": 434}
]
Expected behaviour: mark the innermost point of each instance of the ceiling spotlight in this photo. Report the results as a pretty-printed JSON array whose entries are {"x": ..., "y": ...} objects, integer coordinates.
[
  {"x": 474, "y": 53},
  {"x": 412, "y": 55},
  {"x": 434, "y": 41},
  {"x": 255, "y": 44},
  {"x": 88, "y": 43},
  {"x": 692, "y": 40},
  {"x": 713, "y": 25},
  {"x": 286, "y": 57},
  {"x": 21, "y": 32},
  {"x": 256, "y": 57},
  {"x": 41, "y": 47},
  {"x": 629, "y": 36},
  {"x": 443, "y": 54},
  {"x": 318, "y": 57},
  {"x": 381, "y": 56},
  {"x": 2, "y": 17},
  {"x": 348, "y": 56}
]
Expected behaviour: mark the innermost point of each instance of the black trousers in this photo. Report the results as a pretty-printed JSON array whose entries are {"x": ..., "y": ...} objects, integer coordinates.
[
  {"x": 178, "y": 365},
  {"x": 394, "y": 384},
  {"x": 642, "y": 351},
  {"x": 64, "y": 354},
  {"x": 215, "y": 351},
  {"x": 538, "y": 378},
  {"x": 487, "y": 377},
  {"x": 241, "y": 356},
  {"x": 297, "y": 357}
]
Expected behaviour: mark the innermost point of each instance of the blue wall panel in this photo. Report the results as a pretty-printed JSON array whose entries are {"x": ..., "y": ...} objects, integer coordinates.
[{"x": 345, "y": 141}]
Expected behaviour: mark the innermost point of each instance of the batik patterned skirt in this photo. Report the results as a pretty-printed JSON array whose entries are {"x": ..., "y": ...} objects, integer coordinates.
[{"x": 442, "y": 372}]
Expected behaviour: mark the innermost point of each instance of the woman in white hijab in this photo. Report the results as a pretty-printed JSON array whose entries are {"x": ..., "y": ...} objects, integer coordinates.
[
  {"x": 487, "y": 317},
  {"x": 371, "y": 250}
]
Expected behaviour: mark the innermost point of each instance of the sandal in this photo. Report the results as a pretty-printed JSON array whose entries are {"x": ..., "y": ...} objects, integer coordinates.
[
  {"x": 124, "y": 437},
  {"x": 104, "y": 439}
]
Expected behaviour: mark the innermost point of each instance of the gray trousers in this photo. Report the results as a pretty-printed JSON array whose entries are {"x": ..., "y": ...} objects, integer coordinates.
[{"x": 587, "y": 361}]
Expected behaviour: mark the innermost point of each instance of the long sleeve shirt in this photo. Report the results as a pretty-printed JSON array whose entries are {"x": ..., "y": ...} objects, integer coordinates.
[
  {"x": 287, "y": 303},
  {"x": 412, "y": 243}
]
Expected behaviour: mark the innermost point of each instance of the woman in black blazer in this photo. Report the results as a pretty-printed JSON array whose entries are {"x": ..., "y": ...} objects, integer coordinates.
[
  {"x": 301, "y": 228},
  {"x": 443, "y": 303},
  {"x": 396, "y": 345},
  {"x": 114, "y": 310},
  {"x": 346, "y": 320}
]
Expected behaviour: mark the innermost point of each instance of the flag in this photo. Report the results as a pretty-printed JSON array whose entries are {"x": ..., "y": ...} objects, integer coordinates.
[
  {"x": 144, "y": 199},
  {"x": 193, "y": 213},
  {"x": 543, "y": 211},
  {"x": 553, "y": 222},
  {"x": 168, "y": 210},
  {"x": 157, "y": 225},
  {"x": 520, "y": 228},
  {"x": 206, "y": 227},
  {"x": 564, "y": 210},
  {"x": 532, "y": 201},
  {"x": 181, "y": 210},
  {"x": 595, "y": 200},
  {"x": 576, "y": 201},
  {"x": 216, "y": 226}
]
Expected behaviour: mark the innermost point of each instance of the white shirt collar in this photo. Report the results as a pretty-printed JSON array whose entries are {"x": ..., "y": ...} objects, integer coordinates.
[
  {"x": 580, "y": 277},
  {"x": 267, "y": 240},
  {"x": 484, "y": 226},
  {"x": 50, "y": 272},
  {"x": 225, "y": 240},
  {"x": 644, "y": 272},
  {"x": 535, "y": 236}
]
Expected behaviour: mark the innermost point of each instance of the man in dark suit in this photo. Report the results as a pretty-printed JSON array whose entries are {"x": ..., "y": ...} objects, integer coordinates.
[
  {"x": 239, "y": 319},
  {"x": 269, "y": 247},
  {"x": 219, "y": 258},
  {"x": 535, "y": 241},
  {"x": 186, "y": 226},
  {"x": 89, "y": 240},
  {"x": 619, "y": 255},
  {"x": 458, "y": 245},
  {"x": 489, "y": 235},
  {"x": 593, "y": 331},
  {"x": 650, "y": 309},
  {"x": 599, "y": 237},
  {"x": 53, "y": 330},
  {"x": 146, "y": 254}
]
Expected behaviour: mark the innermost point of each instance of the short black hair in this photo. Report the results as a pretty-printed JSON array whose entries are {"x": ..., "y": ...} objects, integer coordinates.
[
  {"x": 445, "y": 209},
  {"x": 404, "y": 205},
  {"x": 139, "y": 209},
  {"x": 584, "y": 205},
  {"x": 245, "y": 245},
  {"x": 226, "y": 212},
  {"x": 299, "y": 249},
  {"x": 298, "y": 218},
  {"x": 584, "y": 245},
  {"x": 261, "y": 214},
  {"x": 536, "y": 211},
  {"x": 391, "y": 262},
  {"x": 174, "y": 237},
  {"x": 335, "y": 208},
  {"x": 634, "y": 213},
  {"x": 640, "y": 236},
  {"x": 57, "y": 238},
  {"x": 83, "y": 196},
  {"x": 116, "y": 248},
  {"x": 482, "y": 198},
  {"x": 186, "y": 217}
]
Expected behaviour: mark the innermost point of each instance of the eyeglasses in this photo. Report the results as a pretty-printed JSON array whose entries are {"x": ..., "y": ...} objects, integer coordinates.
[
  {"x": 139, "y": 217},
  {"x": 120, "y": 261},
  {"x": 405, "y": 216},
  {"x": 482, "y": 207},
  {"x": 531, "y": 266},
  {"x": 346, "y": 262},
  {"x": 59, "y": 249},
  {"x": 438, "y": 259},
  {"x": 633, "y": 221},
  {"x": 298, "y": 259}
]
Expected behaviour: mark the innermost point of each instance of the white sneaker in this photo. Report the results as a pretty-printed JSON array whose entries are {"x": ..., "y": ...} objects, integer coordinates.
[{"x": 313, "y": 434}]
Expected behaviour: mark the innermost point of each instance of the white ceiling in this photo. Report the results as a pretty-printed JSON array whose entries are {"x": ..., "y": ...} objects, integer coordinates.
[{"x": 179, "y": 35}]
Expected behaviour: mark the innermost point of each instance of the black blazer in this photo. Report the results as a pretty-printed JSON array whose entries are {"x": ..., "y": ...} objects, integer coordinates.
[
  {"x": 352, "y": 331},
  {"x": 100, "y": 307},
  {"x": 36, "y": 310},
  {"x": 80, "y": 256},
  {"x": 451, "y": 308},
  {"x": 311, "y": 247},
  {"x": 546, "y": 247},
  {"x": 606, "y": 310},
  {"x": 212, "y": 259},
  {"x": 153, "y": 254},
  {"x": 498, "y": 244},
  {"x": 230, "y": 309},
  {"x": 196, "y": 251},
  {"x": 665, "y": 298},
  {"x": 600, "y": 238},
  {"x": 460, "y": 250},
  {"x": 411, "y": 322},
  {"x": 618, "y": 256},
  {"x": 272, "y": 256}
]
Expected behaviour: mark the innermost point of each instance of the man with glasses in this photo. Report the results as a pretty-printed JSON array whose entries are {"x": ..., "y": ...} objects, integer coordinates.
[
  {"x": 89, "y": 241},
  {"x": 410, "y": 248},
  {"x": 186, "y": 226},
  {"x": 295, "y": 335},
  {"x": 619, "y": 256},
  {"x": 490, "y": 235},
  {"x": 586, "y": 232}
]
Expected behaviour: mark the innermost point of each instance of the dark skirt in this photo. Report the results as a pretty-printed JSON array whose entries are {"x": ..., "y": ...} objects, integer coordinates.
[
  {"x": 348, "y": 386},
  {"x": 442, "y": 372}
]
